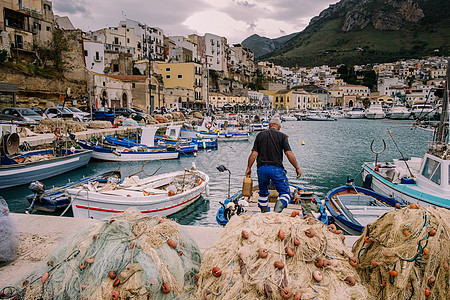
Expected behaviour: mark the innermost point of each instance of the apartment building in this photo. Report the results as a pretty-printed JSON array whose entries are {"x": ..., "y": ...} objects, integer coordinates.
[
  {"x": 94, "y": 54},
  {"x": 186, "y": 75},
  {"x": 26, "y": 23}
]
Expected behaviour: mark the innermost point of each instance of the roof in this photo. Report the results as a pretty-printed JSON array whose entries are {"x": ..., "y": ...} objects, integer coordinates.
[{"x": 129, "y": 77}]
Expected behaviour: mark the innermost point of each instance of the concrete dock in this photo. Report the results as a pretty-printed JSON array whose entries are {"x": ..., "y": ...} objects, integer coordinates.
[{"x": 39, "y": 235}]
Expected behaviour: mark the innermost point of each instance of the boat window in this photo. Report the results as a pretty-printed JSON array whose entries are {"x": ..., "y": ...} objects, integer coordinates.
[{"x": 432, "y": 170}]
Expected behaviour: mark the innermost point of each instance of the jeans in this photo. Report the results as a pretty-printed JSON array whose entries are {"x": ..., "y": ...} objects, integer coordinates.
[{"x": 279, "y": 179}]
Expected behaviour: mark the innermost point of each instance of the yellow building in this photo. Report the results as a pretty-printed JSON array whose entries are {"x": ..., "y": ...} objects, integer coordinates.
[
  {"x": 186, "y": 75},
  {"x": 219, "y": 100}
]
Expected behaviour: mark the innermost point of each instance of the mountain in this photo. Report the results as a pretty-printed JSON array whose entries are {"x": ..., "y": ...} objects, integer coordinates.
[
  {"x": 369, "y": 31},
  {"x": 261, "y": 45}
]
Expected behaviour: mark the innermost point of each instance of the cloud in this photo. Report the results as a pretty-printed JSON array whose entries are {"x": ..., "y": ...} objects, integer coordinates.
[{"x": 233, "y": 19}]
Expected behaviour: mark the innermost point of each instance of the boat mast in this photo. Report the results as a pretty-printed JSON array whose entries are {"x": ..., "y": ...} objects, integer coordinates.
[{"x": 442, "y": 133}]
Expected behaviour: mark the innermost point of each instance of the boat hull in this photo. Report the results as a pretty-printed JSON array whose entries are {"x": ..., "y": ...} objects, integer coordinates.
[
  {"x": 404, "y": 193},
  {"x": 18, "y": 174},
  {"x": 101, "y": 205}
]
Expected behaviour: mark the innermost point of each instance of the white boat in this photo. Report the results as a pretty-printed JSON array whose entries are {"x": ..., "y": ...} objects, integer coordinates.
[
  {"x": 399, "y": 112},
  {"x": 161, "y": 195},
  {"x": 356, "y": 113},
  {"x": 319, "y": 117},
  {"x": 423, "y": 111},
  {"x": 17, "y": 168},
  {"x": 138, "y": 153},
  {"x": 286, "y": 118},
  {"x": 424, "y": 181},
  {"x": 259, "y": 126},
  {"x": 207, "y": 129},
  {"x": 375, "y": 111}
]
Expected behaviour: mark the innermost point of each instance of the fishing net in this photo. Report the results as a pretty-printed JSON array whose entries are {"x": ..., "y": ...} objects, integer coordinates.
[
  {"x": 405, "y": 254},
  {"x": 130, "y": 256},
  {"x": 276, "y": 256},
  {"x": 8, "y": 238}
]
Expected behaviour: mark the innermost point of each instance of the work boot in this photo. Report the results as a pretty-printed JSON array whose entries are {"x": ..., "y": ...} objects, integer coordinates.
[
  {"x": 263, "y": 209},
  {"x": 278, "y": 206}
]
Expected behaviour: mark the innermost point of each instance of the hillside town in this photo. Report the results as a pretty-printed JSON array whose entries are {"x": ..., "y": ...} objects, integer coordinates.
[{"x": 197, "y": 72}]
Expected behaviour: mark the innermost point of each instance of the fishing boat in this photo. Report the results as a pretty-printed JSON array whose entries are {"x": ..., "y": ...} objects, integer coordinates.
[
  {"x": 23, "y": 167},
  {"x": 110, "y": 152},
  {"x": 375, "y": 111},
  {"x": 259, "y": 126},
  {"x": 286, "y": 118},
  {"x": 55, "y": 199},
  {"x": 161, "y": 195},
  {"x": 173, "y": 136},
  {"x": 238, "y": 204},
  {"x": 352, "y": 208},
  {"x": 319, "y": 117},
  {"x": 207, "y": 129},
  {"x": 424, "y": 181}
]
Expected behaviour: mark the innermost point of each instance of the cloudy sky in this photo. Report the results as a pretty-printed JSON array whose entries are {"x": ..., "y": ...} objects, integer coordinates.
[{"x": 233, "y": 19}]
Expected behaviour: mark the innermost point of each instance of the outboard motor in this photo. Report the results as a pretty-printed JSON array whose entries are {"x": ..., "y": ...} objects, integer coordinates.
[{"x": 38, "y": 188}]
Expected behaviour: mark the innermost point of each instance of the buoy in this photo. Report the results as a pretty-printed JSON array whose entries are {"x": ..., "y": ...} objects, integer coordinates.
[{"x": 303, "y": 142}]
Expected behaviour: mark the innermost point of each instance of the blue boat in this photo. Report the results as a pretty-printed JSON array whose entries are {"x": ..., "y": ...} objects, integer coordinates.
[
  {"x": 17, "y": 168},
  {"x": 55, "y": 199},
  {"x": 352, "y": 208},
  {"x": 237, "y": 205}
]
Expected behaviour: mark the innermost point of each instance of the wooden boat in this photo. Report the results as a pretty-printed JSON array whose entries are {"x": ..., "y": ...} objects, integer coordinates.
[
  {"x": 238, "y": 204},
  {"x": 54, "y": 199},
  {"x": 161, "y": 195},
  {"x": 352, "y": 208},
  {"x": 17, "y": 168},
  {"x": 111, "y": 152}
]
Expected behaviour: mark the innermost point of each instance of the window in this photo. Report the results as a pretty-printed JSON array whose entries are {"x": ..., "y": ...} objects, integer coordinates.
[
  {"x": 128, "y": 40},
  {"x": 97, "y": 55},
  {"x": 18, "y": 41},
  {"x": 133, "y": 85},
  {"x": 85, "y": 53},
  {"x": 116, "y": 40},
  {"x": 432, "y": 170},
  {"x": 48, "y": 28},
  {"x": 179, "y": 76},
  {"x": 37, "y": 25},
  {"x": 167, "y": 76},
  {"x": 167, "y": 69},
  {"x": 115, "y": 68}
]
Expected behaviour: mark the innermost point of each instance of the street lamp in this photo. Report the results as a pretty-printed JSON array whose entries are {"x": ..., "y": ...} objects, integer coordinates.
[{"x": 221, "y": 169}]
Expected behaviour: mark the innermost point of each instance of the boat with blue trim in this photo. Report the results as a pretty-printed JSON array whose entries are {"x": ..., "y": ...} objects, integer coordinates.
[{"x": 352, "y": 208}]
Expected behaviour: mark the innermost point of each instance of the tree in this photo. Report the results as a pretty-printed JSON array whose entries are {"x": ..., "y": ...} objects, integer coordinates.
[
  {"x": 54, "y": 51},
  {"x": 366, "y": 102}
]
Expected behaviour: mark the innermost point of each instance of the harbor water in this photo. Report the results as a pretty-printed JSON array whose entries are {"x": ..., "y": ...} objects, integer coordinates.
[{"x": 331, "y": 151}]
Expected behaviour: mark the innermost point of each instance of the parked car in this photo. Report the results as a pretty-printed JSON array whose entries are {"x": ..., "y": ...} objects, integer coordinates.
[
  {"x": 79, "y": 112},
  {"x": 65, "y": 112},
  {"x": 122, "y": 111},
  {"x": 25, "y": 115},
  {"x": 38, "y": 110}
]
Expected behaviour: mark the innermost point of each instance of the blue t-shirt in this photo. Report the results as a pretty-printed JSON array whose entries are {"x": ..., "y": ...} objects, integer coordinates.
[{"x": 270, "y": 145}]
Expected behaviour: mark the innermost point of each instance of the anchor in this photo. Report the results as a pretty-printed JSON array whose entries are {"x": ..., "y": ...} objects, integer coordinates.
[{"x": 377, "y": 153}]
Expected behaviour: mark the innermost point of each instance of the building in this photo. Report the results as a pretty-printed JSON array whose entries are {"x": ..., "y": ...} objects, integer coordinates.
[
  {"x": 187, "y": 75},
  {"x": 28, "y": 23},
  {"x": 94, "y": 56},
  {"x": 111, "y": 92}
]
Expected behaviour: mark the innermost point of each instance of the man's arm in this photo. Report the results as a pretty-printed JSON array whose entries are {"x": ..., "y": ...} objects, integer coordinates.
[
  {"x": 251, "y": 160},
  {"x": 291, "y": 157}
]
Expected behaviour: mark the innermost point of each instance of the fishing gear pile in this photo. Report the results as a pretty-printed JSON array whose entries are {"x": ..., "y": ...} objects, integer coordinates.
[
  {"x": 129, "y": 256},
  {"x": 8, "y": 238},
  {"x": 277, "y": 256},
  {"x": 405, "y": 254}
]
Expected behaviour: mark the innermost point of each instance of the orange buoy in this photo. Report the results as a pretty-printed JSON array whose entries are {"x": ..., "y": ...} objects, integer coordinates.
[
  {"x": 295, "y": 213},
  {"x": 296, "y": 241},
  {"x": 350, "y": 280},
  {"x": 116, "y": 282},
  {"x": 432, "y": 232},
  {"x": 171, "y": 243},
  {"x": 165, "y": 288},
  {"x": 90, "y": 260},
  {"x": 278, "y": 264},
  {"x": 263, "y": 253},
  {"x": 286, "y": 293},
  {"x": 216, "y": 271},
  {"x": 112, "y": 274},
  {"x": 406, "y": 232},
  {"x": 298, "y": 296},
  {"x": 353, "y": 261},
  {"x": 290, "y": 252},
  {"x": 310, "y": 232},
  {"x": 326, "y": 263},
  {"x": 44, "y": 277},
  {"x": 427, "y": 292},
  {"x": 281, "y": 234},
  {"x": 318, "y": 262},
  {"x": 393, "y": 273},
  {"x": 115, "y": 295},
  {"x": 425, "y": 251},
  {"x": 244, "y": 234},
  {"x": 374, "y": 263},
  {"x": 317, "y": 275},
  {"x": 331, "y": 228},
  {"x": 171, "y": 193}
]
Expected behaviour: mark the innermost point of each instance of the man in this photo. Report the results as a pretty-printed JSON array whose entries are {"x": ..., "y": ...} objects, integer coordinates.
[{"x": 268, "y": 153}]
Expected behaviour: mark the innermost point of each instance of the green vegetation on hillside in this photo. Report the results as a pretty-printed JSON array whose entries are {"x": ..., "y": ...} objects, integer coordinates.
[{"x": 325, "y": 43}]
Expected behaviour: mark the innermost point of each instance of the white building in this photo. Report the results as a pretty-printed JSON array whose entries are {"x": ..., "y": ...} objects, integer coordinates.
[
  {"x": 111, "y": 92},
  {"x": 385, "y": 84},
  {"x": 214, "y": 52},
  {"x": 94, "y": 56}
]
